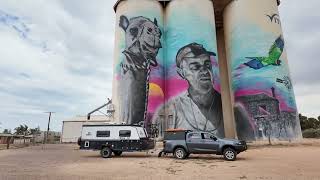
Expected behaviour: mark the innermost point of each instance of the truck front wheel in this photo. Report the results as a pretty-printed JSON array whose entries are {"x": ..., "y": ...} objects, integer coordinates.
[
  {"x": 106, "y": 152},
  {"x": 180, "y": 153},
  {"x": 229, "y": 154}
]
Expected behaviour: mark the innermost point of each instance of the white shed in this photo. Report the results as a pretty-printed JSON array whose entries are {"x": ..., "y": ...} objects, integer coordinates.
[{"x": 71, "y": 128}]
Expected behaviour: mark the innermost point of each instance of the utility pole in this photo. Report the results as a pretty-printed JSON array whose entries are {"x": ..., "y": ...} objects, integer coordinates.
[{"x": 46, "y": 135}]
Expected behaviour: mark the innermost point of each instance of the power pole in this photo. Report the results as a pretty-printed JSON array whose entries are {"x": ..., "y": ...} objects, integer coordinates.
[{"x": 46, "y": 135}]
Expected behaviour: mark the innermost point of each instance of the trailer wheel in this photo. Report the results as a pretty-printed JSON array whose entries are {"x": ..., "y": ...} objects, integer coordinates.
[
  {"x": 160, "y": 153},
  {"x": 180, "y": 153},
  {"x": 106, "y": 152},
  {"x": 117, "y": 153}
]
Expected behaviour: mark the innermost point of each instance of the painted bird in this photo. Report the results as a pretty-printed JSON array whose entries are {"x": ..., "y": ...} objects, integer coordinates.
[{"x": 272, "y": 58}]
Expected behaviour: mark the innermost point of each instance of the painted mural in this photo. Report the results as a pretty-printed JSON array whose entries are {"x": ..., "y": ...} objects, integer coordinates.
[
  {"x": 138, "y": 83},
  {"x": 167, "y": 73},
  {"x": 264, "y": 99},
  {"x": 142, "y": 40},
  {"x": 192, "y": 82},
  {"x": 198, "y": 105}
]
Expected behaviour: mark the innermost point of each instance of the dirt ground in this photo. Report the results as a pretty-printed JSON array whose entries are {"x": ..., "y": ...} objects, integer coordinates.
[{"x": 65, "y": 162}]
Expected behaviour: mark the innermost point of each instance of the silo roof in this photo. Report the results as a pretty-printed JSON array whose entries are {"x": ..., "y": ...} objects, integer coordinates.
[{"x": 219, "y": 5}]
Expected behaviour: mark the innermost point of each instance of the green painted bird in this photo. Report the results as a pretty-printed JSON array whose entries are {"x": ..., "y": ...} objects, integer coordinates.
[{"x": 273, "y": 59}]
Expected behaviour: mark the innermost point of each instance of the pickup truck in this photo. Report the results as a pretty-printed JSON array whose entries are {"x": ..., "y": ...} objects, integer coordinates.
[{"x": 182, "y": 143}]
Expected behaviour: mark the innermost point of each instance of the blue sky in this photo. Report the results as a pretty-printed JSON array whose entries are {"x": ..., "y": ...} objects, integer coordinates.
[{"x": 57, "y": 56}]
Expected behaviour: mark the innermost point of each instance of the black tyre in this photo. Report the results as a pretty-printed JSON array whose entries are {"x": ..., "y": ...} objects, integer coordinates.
[
  {"x": 117, "y": 153},
  {"x": 229, "y": 154},
  {"x": 106, "y": 152},
  {"x": 180, "y": 153},
  {"x": 160, "y": 153}
]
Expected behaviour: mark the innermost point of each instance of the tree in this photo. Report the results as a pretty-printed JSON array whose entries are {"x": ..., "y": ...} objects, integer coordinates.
[
  {"x": 6, "y": 131},
  {"x": 22, "y": 130},
  {"x": 308, "y": 123},
  {"x": 34, "y": 131}
]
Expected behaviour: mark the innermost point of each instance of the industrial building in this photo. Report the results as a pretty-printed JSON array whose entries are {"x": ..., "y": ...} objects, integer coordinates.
[{"x": 71, "y": 128}]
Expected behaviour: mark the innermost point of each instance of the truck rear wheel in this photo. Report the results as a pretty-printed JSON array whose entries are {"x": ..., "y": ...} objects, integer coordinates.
[
  {"x": 106, "y": 152},
  {"x": 180, "y": 153},
  {"x": 229, "y": 154}
]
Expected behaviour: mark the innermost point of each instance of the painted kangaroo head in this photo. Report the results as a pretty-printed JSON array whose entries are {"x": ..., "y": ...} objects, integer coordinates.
[{"x": 142, "y": 37}]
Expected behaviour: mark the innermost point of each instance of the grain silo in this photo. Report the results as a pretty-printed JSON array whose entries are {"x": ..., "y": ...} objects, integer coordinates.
[{"x": 216, "y": 66}]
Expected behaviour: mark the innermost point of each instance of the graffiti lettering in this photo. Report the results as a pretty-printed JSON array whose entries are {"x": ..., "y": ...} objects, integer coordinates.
[
  {"x": 286, "y": 81},
  {"x": 274, "y": 18}
]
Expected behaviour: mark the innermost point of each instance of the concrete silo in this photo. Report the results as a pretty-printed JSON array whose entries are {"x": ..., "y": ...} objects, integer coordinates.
[
  {"x": 217, "y": 66},
  {"x": 138, "y": 60},
  {"x": 264, "y": 102},
  {"x": 193, "y": 99}
]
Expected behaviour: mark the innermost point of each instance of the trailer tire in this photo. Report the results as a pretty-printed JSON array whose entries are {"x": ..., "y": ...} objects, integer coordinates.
[
  {"x": 117, "y": 153},
  {"x": 106, "y": 152}
]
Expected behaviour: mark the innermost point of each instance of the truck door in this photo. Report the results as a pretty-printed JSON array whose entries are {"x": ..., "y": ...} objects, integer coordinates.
[
  {"x": 210, "y": 143},
  {"x": 195, "y": 143}
]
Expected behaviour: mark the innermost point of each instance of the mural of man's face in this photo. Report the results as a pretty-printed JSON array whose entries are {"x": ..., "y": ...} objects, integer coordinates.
[{"x": 198, "y": 72}]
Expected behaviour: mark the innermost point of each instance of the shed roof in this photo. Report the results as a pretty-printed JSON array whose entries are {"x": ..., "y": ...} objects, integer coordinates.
[{"x": 96, "y": 118}]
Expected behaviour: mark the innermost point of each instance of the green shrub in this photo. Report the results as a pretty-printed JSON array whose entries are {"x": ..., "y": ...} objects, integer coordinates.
[{"x": 311, "y": 133}]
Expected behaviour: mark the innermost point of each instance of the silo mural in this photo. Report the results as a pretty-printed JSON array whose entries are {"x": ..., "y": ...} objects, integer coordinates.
[
  {"x": 166, "y": 70},
  {"x": 263, "y": 94},
  {"x": 138, "y": 83},
  {"x": 192, "y": 93}
]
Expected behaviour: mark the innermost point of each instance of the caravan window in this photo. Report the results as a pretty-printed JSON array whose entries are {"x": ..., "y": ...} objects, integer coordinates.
[
  {"x": 124, "y": 133},
  {"x": 103, "y": 133}
]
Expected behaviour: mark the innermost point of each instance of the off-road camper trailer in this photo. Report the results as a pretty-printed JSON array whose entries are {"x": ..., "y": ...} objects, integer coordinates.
[{"x": 114, "y": 138}]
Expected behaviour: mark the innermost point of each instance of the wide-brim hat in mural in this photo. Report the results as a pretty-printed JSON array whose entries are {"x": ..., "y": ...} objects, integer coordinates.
[{"x": 192, "y": 50}]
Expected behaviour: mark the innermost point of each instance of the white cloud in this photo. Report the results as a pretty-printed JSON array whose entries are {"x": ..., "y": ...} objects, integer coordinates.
[
  {"x": 71, "y": 75},
  {"x": 301, "y": 24}
]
